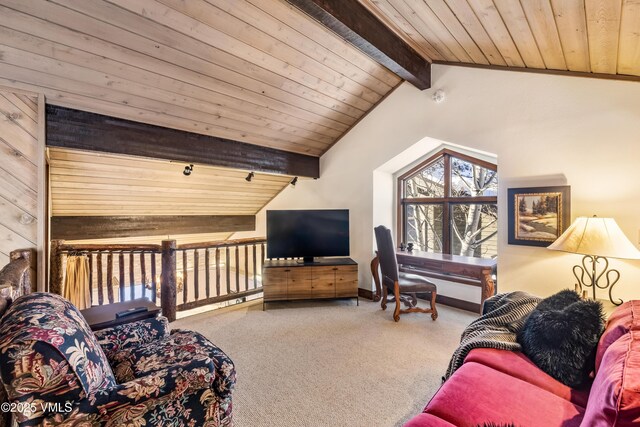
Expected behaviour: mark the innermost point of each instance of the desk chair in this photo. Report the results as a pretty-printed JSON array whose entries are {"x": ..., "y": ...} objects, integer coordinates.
[{"x": 402, "y": 286}]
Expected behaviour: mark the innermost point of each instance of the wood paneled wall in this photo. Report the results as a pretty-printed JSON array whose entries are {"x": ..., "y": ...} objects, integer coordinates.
[
  {"x": 104, "y": 227},
  {"x": 22, "y": 169},
  {"x": 181, "y": 239}
]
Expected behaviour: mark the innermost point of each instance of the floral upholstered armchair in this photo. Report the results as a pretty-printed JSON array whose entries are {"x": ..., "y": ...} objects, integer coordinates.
[{"x": 57, "y": 372}]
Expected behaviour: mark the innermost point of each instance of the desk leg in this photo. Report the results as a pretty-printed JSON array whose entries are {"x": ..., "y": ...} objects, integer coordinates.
[
  {"x": 488, "y": 287},
  {"x": 375, "y": 263}
]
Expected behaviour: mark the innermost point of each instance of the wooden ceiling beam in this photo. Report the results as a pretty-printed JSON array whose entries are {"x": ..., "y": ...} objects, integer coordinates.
[
  {"x": 76, "y": 129},
  {"x": 105, "y": 227},
  {"x": 356, "y": 24}
]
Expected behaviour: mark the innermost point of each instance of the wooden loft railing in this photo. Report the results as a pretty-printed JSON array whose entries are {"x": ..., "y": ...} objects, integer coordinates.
[
  {"x": 190, "y": 275},
  {"x": 237, "y": 271},
  {"x": 131, "y": 261}
]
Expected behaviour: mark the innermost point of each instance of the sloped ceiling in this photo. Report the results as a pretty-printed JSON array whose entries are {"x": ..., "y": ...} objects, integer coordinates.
[
  {"x": 94, "y": 184},
  {"x": 257, "y": 71},
  {"x": 263, "y": 72},
  {"x": 590, "y": 36}
]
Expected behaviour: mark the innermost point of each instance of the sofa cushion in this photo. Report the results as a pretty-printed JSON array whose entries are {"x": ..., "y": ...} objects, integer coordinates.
[
  {"x": 53, "y": 321},
  {"x": 427, "y": 420},
  {"x": 561, "y": 335},
  {"x": 615, "y": 394},
  {"x": 621, "y": 321},
  {"x": 519, "y": 366},
  {"x": 112, "y": 340},
  {"x": 476, "y": 394},
  {"x": 178, "y": 349}
]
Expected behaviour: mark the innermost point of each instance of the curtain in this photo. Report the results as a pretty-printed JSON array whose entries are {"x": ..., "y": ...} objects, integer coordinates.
[{"x": 76, "y": 282}]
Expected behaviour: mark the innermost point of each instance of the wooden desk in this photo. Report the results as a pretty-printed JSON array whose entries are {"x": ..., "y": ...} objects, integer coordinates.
[
  {"x": 454, "y": 268},
  {"x": 104, "y": 316}
]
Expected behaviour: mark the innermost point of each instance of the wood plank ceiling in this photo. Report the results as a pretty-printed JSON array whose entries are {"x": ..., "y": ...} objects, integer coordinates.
[
  {"x": 255, "y": 71},
  {"x": 263, "y": 72},
  {"x": 587, "y": 36},
  {"x": 95, "y": 184}
]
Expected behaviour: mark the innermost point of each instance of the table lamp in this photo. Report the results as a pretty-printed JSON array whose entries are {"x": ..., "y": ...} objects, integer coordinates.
[{"x": 597, "y": 239}]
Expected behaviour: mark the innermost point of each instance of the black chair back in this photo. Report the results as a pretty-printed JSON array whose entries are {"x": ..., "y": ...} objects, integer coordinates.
[{"x": 386, "y": 254}]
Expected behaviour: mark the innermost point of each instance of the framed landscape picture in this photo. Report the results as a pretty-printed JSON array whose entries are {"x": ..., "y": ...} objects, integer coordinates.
[{"x": 538, "y": 215}]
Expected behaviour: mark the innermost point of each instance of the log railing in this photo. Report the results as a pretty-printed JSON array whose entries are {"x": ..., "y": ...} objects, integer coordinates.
[
  {"x": 181, "y": 277},
  {"x": 215, "y": 272},
  {"x": 116, "y": 272}
]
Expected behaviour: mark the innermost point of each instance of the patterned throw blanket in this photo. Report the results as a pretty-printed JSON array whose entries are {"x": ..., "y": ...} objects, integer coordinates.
[{"x": 504, "y": 316}]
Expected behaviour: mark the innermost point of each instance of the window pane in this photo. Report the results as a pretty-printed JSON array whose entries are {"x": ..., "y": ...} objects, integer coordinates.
[
  {"x": 469, "y": 180},
  {"x": 474, "y": 230},
  {"x": 429, "y": 182},
  {"x": 423, "y": 227}
]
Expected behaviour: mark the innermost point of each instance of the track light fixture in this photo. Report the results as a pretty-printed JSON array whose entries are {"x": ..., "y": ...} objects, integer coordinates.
[
  {"x": 294, "y": 181},
  {"x": 187, "y": 170},
  {"x": 250, "y": 176}
]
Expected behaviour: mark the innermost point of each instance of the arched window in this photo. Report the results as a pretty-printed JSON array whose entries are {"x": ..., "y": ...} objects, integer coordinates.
[{"x": 448, "y": 204}]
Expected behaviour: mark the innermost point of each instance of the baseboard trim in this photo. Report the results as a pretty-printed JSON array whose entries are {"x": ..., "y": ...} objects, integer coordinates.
[
  {"x": 440, "y": 299},
  {"x": 458, "y": 303},
  {"x": 365, "y": 293}
]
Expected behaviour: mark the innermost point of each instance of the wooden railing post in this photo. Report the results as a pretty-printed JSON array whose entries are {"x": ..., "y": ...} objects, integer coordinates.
[
  {"x": 29, "y": 283},
  {"x": 56, "y": 274},
  {"x": 168, "y": 280}
]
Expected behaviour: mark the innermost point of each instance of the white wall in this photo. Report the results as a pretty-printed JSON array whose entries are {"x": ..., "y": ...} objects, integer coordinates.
[{"x": 545, "y": 130}]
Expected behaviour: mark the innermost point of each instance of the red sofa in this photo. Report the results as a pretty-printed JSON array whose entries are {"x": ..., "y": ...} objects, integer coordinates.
[{"x": 503, "y": 387}]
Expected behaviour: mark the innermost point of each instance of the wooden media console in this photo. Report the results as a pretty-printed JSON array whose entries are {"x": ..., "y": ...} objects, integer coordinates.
[{"x": 284, "y": 280}]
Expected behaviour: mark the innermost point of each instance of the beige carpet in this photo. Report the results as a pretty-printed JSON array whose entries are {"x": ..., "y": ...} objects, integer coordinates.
[{"x": 331, "y": 363}]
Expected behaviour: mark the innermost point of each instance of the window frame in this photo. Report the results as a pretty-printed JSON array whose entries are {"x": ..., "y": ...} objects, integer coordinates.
[{"x": 447, "y": 201}]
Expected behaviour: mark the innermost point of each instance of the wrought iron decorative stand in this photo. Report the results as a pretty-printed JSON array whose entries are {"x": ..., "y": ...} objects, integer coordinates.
[{"x": 608, "y": 277}]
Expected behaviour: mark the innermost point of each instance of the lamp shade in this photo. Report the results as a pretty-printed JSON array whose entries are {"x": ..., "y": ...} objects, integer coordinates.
[{"x": 596, "y": 236}]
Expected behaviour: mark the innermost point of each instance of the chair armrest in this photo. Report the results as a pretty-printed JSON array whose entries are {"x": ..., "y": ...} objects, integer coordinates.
[
  {"x": 174, "y": 380},
  {"x": 225, "y": 370},
  {"x": 125, "y": 402},
  {"x": 117, "y": 338}
]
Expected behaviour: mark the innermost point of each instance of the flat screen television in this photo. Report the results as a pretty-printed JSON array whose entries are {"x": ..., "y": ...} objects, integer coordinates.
[{"x": 307, "y": 233}]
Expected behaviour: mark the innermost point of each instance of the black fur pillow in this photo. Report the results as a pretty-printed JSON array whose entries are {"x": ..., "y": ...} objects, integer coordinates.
[{"x": 561, "y": 335}]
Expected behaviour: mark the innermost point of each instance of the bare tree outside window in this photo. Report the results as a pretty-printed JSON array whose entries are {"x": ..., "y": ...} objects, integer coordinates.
[
  {"x": 475, "y": 228},
  {"x": 449, "y": 205},
  {"x": 424, "y": 227},
  {"x": 429, "y": 182}
]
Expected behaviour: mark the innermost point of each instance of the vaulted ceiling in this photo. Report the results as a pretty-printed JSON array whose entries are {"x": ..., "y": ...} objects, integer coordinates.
[
  {"x": 254, "y": 71},
  {"x": 266, "y": 73},
  {"x": 591, "y": 36}
]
